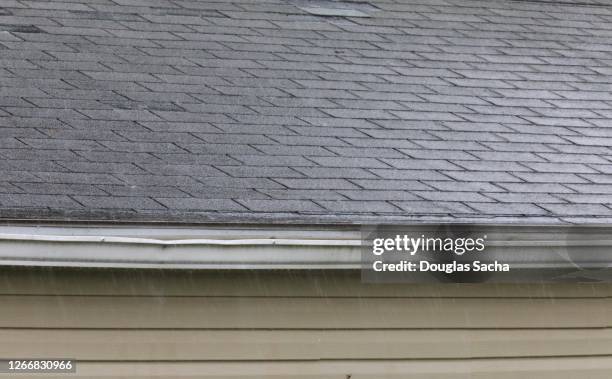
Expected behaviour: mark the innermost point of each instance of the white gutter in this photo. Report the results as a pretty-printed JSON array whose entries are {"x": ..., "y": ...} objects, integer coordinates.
[
  {"x": 128, "y": 252},
  {"x": 272, "y": 247},
  {"x": 210, "y": 247}
]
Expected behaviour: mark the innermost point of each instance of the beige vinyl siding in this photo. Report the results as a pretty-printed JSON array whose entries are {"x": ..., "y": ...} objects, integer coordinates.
[{"x": 140, "y": 324}]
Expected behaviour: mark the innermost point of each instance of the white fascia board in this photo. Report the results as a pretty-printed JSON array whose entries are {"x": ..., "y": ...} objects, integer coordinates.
[{"x": 257, "y": 247}]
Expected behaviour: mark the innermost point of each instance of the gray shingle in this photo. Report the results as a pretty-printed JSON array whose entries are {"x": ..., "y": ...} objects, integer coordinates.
[
  {"x": 310, "y": 194},
  {"x": 38, "y": 201},
  {"x": 333, "y": 172},
  {"x": 292, "y": 150},
  {"x": 408, "y": 174},
  {"x": 433, "y": 207},
  {"x": 197, "y": 170},
  {"x": 270, "y": 161},
  {"x": 378, "y": 195},
  {"x": 142, "y": 147},
  {"x": 531, "y": 187},
  {"x": 116, "y": 202},
  {"x": 543, "y": 177},
  {"x": 537, "y": 198},
  {"x": 181, "y": 107},
  {"x": 332, "y": 184},
  {"x": 452, "y": 196},
  {"x": 420, "y": 164},
  {"x": 574, "y": 168},
  {"x": 509, "y": 209},
  {"x": 348, "y": 162},
  {"x": 76, "y": 178},
  {"x": 258, "y": 172},
  {"x": 474, "y": 176},
  {"x": 358, "y": 206},
  {"x": 490, "y": 166},
  {"x": 591, "y": 188},
  {"x": 96, "y": 167},
  {"x": 192, "y": 205},
  {"x": 280, "y": 206},
  {"x": 578, "y": 209},
  {"x": 359, "y": 113},
  {"x": 473, "y": 186},
  {"x": 587, "y": 198},
  {"x": 140, "y": 191}
]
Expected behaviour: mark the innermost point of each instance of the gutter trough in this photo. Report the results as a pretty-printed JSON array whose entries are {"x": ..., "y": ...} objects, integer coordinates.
[
  {"x": 273, "y": 247},
  {"x": 127, "y": 252}
]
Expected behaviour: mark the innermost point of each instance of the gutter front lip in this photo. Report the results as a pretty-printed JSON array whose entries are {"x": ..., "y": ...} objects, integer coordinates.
[
  {"x": 179, "y": 242},
  {"x": 265, "y": 241}
]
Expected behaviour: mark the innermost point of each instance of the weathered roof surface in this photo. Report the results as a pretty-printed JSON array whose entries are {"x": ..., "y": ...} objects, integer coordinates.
[{"x": 195, "y": 110}]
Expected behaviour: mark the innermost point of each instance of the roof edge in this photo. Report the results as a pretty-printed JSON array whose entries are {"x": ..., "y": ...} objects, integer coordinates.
[{"x": 120, "y": 217}]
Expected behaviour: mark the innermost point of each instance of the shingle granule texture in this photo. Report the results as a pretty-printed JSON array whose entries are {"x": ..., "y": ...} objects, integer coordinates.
[{"x": 259, "y": 111}]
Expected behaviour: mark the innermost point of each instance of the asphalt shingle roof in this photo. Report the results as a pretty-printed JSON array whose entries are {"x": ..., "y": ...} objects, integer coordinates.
[{"x": 196, "y": 110}]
